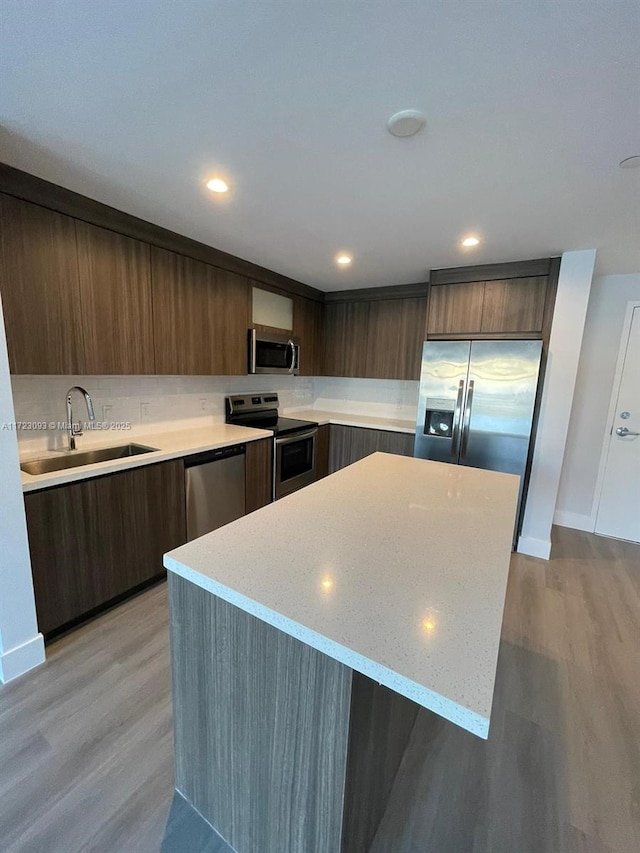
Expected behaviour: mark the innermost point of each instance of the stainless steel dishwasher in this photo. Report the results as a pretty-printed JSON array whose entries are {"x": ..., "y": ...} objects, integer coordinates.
[{"x": 214, "y": 483}]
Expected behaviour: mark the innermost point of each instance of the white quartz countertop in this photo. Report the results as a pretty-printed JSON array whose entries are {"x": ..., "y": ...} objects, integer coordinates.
[
  {"x": 395, "y": 566},
  {"x": 170, "y": 445},
  {"x": 367, "y": 421}
]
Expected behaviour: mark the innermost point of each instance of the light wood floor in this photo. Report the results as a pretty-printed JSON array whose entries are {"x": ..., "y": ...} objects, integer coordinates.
[{"x": 86, "y": 744}]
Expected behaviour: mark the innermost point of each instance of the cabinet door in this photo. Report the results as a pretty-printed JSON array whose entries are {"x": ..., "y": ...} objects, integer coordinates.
[
  {"x": 200, "y": 317},
  {"x": 514, "y": 305},
  {"x": 395, "y": 338},
  {"x": 322, "y": 451},
  {"x": 95, "y": 540},
  {"x": 61, "y": 526},
  {"x": 455, "y": 308},
  {"x": 141, "y": 516},
  {"x": 259, "y": 474},
  {"x": 346, "y": 335},
  {"x": 182, "y": 290},
  {"x": 231, "y": 313},
  {"x": 349, "y": 444},
  {"x": 40, "y": 293},
  {"x": 115, "y": 299},
  {"x": 307, "y": 327}
]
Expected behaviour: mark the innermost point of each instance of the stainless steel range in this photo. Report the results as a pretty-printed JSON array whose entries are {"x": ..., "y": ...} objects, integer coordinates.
[{"x": 294, "y": 450}]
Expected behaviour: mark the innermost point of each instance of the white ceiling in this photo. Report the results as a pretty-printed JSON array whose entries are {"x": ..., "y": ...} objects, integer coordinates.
[{"x": 530, "y": 106}]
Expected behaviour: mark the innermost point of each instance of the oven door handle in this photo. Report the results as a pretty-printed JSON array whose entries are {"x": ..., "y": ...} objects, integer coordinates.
[{"x": 298, "y": 436}]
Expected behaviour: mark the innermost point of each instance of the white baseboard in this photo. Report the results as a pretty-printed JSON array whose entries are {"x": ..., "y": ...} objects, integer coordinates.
[
  {"x": 21, "y": 659},
  {"x": 534, "y": 547},
  {"x": 575, "y": 520}
]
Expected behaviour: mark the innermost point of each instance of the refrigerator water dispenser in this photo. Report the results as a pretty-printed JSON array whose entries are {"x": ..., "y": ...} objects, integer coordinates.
[{"x": 438, "y": 422}]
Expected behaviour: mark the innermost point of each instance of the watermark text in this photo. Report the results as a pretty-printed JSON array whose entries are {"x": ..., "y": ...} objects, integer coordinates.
[{"x": 16, "y": 426}]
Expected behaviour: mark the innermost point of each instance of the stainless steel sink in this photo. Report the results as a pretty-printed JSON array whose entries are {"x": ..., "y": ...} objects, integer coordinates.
[{"x": 85, "y": 457}]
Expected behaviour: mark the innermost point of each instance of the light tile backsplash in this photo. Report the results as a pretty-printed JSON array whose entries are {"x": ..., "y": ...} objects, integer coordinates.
[
  {"x": 383, "y": 398},
  {"x": 160, "y": 403},
  {"x": 148, "y": 403}
]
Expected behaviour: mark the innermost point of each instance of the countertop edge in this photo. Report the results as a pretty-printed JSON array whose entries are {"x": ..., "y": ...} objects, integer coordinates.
[
  {"x": 467, "y": 719},
  {"x": 34, "y": 483},
  {"x": 323, "y": 417}
]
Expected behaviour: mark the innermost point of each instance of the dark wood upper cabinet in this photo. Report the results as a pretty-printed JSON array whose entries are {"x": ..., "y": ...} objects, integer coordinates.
[
  {"x": 308, "y": 328},
  {"x": 82, "y": 298},
  {"x": 182, "y": 290},
  {"x": 231, "y": 314},
  {"x": 455, "y": 308},
  {"x": 200, "y": 317},
  {"x": 95, "y": 540},
  {"x": 115, "y": 300},
  {"x": 514, "y": 305},
  {"x": 509, "y": 300},
  {"x": 499, "y": 307},
  {"x": 395, "y": 338},
  {"x": 346, "y": 331},
  {"x": 374, "y": 338},
  {"x": 40, "y": 293}
]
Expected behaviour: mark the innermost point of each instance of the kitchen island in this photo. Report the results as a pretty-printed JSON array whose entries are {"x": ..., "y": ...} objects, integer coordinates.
[{"x": 306, "y": 637}]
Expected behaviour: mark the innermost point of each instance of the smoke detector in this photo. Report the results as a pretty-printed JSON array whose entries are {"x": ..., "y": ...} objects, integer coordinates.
[{"x": 406, "y": 123}]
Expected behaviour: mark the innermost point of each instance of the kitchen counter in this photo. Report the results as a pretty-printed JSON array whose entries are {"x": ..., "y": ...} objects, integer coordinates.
[
  {"x": 395, "y": 566},
  {"x": 366, "y": 421},
  {"x": 170, "y": 445},
  {"x": 173, "y": 444},
  {"x": 307, "y": 637}
]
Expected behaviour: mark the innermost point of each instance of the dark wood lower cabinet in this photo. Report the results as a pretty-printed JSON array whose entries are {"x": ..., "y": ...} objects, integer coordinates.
[
  {"x": 259, "y": 474},
  {"x": 95, "y": 540},
  {"x": 322, "y": 451},
  {"x": 348, "y": 444}
]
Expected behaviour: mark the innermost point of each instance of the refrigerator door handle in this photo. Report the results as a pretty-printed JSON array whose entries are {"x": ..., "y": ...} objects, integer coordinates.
[
  {"x": 455, "y": 443},
  {"x": 466, "y": 420}
]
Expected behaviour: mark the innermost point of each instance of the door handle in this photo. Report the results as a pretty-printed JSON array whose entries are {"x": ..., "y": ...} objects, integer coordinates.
[
  {"x": 456, "y": 420},
  {"x": 293, "y": 355},
  {"x": 466, "y": 420},
  {"x": 623, "y": 431}
]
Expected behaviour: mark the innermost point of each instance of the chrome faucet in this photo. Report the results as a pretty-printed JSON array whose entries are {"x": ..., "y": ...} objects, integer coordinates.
[{"x": 72, "y": 428}]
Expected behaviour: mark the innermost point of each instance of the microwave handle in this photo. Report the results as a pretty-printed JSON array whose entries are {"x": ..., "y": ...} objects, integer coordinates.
[
  {"x": 252, "y": 350},
  {"x": 293, "y": 355}
]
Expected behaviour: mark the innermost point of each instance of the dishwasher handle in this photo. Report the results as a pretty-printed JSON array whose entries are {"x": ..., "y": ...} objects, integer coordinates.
[{"x": 214, "y": 455}]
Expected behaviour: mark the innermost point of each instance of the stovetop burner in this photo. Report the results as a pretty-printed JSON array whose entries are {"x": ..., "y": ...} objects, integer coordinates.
[{"x": 261, "y": 411}]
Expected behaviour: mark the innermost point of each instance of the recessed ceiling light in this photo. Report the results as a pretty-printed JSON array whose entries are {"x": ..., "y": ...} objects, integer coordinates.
[
  {"x": 406, "y": 123},
  {"x": 217, "y": 185},
  {"x": 469, "y": 242},
  {"x": 630, "y": 162},
  {"x": 343, "y": 260}
]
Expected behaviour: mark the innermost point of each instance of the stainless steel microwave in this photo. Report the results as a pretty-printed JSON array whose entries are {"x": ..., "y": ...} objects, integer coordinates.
[{"x": 272, "y": 353}]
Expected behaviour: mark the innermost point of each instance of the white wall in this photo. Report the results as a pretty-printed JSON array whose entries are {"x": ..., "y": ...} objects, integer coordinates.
[
  {"x": 574, "y": 284},
  {"x": 21, "y": 646},
  {"x": 605, "y": 317}
]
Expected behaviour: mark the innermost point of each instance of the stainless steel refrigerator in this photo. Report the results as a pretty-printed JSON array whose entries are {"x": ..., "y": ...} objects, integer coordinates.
[{"x": 476, "y": 404}]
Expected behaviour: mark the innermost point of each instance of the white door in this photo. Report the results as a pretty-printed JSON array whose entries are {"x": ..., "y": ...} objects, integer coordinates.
[{"x": 619, "y": 506}]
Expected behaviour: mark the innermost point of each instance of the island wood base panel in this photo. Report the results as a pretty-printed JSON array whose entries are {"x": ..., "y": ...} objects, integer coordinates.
[{"x": 281, "y": 748}]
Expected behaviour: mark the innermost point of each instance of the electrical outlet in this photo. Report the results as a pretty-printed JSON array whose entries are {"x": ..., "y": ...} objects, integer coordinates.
[
  {"x": 144, "y": 411},
  {"x": 106, "y": 412},
  {"x": 203, "y": 405}
]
